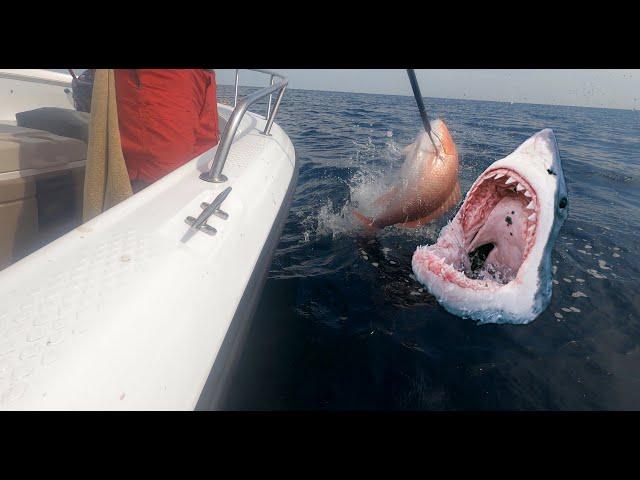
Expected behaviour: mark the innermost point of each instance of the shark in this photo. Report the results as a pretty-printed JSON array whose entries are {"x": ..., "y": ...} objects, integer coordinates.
[{"x": 492, "y": 261}]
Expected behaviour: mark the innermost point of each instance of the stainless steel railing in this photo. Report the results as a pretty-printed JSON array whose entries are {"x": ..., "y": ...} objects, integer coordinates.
[{"x": 240, "y": 108}]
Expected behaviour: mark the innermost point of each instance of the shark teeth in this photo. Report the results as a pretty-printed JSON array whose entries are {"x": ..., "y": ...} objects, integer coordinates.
[
  {"x": 509, "y": 181},
  {"x": 500, "y": 175},
  {"x": 519, "y": 188},
  {"x": 527, "y": 194},
  {"x": 491, "y": 175},
  {"x": 532, "y": 205},
  {"x": 445, "y": 268},
  {"x": 531, "y": 229},
  {"x": 532, "y": 217}
]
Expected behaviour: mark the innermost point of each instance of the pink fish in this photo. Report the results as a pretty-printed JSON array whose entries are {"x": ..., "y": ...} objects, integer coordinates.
[{"x": 427, "y": 185}]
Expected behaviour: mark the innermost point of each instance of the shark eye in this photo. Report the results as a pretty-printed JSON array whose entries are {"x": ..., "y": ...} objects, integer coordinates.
[{"x": 563, "y": 202}]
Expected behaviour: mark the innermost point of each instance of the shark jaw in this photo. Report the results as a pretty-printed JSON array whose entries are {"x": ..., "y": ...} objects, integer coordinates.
[{"x": 492, "y": 262}]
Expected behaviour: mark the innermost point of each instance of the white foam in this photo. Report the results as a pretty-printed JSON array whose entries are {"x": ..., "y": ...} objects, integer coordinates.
[
  {"x": 603, "y": 265},
  {"x": 594, "y": 273}
]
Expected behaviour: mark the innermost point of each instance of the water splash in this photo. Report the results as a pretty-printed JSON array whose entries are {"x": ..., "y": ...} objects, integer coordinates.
[{"x": 374, "y": 168}]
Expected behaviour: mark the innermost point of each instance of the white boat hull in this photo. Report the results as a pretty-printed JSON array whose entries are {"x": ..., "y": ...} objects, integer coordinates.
[{"x": 120, "y": 313}]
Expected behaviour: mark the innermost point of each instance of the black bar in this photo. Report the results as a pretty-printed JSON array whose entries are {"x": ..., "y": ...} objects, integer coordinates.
[{"x": 418, "y": 96}]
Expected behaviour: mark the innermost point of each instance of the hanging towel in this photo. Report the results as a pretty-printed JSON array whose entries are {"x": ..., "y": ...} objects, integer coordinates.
[{"x": 106, "y": 180}]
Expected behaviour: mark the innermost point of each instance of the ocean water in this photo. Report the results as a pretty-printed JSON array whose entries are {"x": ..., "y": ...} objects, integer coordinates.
[{"x": 343, "y": 325}]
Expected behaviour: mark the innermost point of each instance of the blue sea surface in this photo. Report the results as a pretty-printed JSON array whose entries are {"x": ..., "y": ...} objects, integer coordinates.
[{"x": 343, "y": 325}]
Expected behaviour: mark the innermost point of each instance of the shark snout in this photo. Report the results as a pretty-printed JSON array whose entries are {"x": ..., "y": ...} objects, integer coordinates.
[
  {"x": 542, "y": 144},
  {"x": 546, "y": 140}
]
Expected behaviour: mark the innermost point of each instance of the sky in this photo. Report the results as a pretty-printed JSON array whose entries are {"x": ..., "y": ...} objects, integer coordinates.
[{"x": 585, "y": 88}]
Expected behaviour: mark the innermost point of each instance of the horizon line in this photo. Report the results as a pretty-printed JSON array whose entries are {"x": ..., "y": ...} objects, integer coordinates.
[{"x": 633, "y": 109}]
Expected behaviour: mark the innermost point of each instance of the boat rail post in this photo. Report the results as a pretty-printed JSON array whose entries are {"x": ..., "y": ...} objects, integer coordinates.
[
  {"x": 215, "y": 174},
  {"x": 235, "y": 98},
  {"x": 269, "y": 106},
  {"x": 267, "y": 128}
]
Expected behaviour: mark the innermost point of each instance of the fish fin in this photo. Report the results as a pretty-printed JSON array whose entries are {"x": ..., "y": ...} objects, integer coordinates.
[
  {"x": 366, "y": 222},
  {"x": 449, "y": 203}
]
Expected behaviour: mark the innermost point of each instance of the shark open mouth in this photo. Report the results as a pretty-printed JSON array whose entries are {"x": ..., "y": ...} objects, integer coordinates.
[
  {"x": 492, "y": 262},
  {"x": 486, "y": 244}
]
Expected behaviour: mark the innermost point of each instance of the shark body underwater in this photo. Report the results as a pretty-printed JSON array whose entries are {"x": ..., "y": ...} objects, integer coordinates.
[
  {"x": 492, "y": 262},
  {"x": 427, "y": 185}
]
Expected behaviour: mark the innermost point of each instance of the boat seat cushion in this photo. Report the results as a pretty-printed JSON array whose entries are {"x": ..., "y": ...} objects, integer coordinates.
[
  {"x": 61, "y": 121},
  {"x": 66, "y": 122},
  {"x": 25, "y": 148}
]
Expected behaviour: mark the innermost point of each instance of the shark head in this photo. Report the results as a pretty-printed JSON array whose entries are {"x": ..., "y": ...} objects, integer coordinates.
[{"x": 492, "y": 262}]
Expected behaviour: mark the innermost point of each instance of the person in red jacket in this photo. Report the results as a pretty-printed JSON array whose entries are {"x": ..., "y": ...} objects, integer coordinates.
[{"x": 167, "y": 117}]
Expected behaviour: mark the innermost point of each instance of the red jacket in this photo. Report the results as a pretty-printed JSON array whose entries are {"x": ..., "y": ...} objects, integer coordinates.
[{"x": 167, "y": 117}]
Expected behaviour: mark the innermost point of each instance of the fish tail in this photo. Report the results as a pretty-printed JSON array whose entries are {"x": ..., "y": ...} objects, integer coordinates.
[{"x": 365, "y": 221}]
